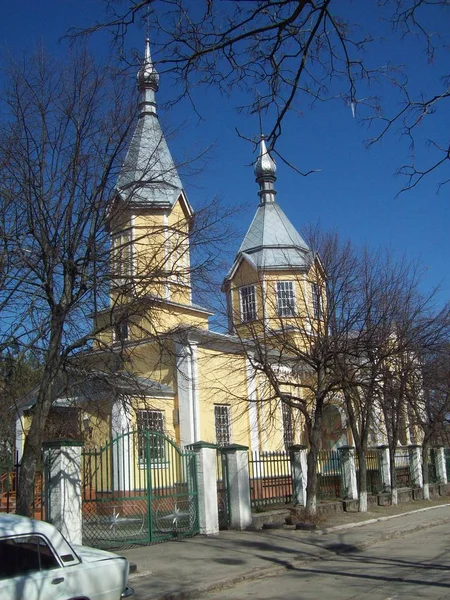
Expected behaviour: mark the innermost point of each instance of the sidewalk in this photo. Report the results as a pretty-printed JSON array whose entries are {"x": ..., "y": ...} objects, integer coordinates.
[{"x": 185, "y": 569}]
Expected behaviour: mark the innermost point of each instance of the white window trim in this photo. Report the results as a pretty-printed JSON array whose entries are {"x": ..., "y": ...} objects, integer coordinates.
[
  {"x": 289, "y": 281},
  {"x": 241, "y": 304}
]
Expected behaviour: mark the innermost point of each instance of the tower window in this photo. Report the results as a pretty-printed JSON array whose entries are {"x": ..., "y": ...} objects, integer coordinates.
[
  {"x": 122, "y": 257},
  {"x": 316, "y": 301},
  {"x": 285, "y": 299},
  {"x": 222, "y": 423},
  {"x": 121, "y": 330},
  {"x": 248, "y": 303}
]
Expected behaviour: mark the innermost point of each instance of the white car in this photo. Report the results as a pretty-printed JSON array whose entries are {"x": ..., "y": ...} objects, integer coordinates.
[{"x": 37, "y": 563}]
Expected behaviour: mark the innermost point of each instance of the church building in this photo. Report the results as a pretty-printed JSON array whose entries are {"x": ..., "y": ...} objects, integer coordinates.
[{"x": 175, "y": 375}]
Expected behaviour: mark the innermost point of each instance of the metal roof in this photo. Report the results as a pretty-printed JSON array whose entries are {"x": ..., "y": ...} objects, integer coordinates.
[
  {"x": 149, "y": 176},
  {"x": 272, "y": 242}
]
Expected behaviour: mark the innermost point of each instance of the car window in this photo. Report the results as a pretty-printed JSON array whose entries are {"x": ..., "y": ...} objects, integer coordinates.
[{"x": 24, "y": 554}]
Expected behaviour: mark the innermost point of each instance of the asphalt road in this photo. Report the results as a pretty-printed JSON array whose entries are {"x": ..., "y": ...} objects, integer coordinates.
[{"x": 415, "y": 566}]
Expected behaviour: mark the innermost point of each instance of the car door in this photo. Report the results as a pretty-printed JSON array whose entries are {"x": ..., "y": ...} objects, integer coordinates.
[{"x": 29, "y": 570}]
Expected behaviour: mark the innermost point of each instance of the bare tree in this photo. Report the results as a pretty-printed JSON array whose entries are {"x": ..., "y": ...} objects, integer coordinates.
[
  {"x": 62, "y": 141},
  {"x": 295, "y": 356},
  {"x": 286, "y": 55}
]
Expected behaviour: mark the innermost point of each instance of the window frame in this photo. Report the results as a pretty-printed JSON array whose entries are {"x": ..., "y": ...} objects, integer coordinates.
[
  {"x": 219, "y": 423},
  {"x": 121, "y": 326},
  {"x": 317, "y": 301},
  {"x": 284, "y": 303},
  {"x": 287, "y": 419},
  {"x": 122, "y": 256},
  {"x": 246, "y": 315},
  {"x": 160, "y": 446}
]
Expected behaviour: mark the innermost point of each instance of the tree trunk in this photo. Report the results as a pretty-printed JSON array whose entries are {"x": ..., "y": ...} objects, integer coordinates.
[
  {"x": 425, "y": 472},
  {"x": 311, "y": 487},
  {"x": 33, "y": 441},
  {"x": 362, "y": 480}
]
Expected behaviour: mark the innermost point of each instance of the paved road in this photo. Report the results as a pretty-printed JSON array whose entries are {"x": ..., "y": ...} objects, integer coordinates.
[{"x": 416, "y": 566}]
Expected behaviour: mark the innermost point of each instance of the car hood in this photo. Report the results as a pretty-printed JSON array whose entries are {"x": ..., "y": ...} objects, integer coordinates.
[{"x": 88, "y": 554}]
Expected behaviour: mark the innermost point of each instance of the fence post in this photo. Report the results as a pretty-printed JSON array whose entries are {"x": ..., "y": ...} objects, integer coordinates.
[
  {"x": 415, "y": 466},
  {"x": 441, "y": 467},
  {"x": 63, "y": 458},
  {"x": 299, "y": 470},
  {"x": 347, "y": 454},
  {"x": 385, "y": 468},
  {"x": 239, "y": 482},
  {"x": 208, "y": 513}
]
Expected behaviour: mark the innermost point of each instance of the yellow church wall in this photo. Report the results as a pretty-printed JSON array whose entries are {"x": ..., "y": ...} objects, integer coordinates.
[{"x": 222, "y": 381}]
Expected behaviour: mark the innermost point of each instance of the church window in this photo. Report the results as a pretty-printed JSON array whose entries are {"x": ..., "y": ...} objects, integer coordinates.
[
  {"x": 316, "y": 301},
  {"x": 222, "y": 424},
  {"x": 121, "y": 257},
  {"x": 248, "y": 303},
  {"x": 150, "y": 427},
  {"x": 285, "y": 299},
  {"x": 288, "y": 429},
  {"x": 121, "y": 330}
]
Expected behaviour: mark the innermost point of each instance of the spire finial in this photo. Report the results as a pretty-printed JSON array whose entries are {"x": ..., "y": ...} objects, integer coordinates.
[
  {"x": 265, "y": 173},
  {"x": 148, "y": 82}
]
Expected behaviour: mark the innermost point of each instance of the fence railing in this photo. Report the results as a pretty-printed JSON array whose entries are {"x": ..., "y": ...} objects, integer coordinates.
[
  {"x": 402, "y": 468},
  {"x": 270, "y": 478},
  {"x": 431, "y": 465},
  {"x": 329, "y": 475},
  {"x": 9, "y": 479},
  {"x": 374, "y": 481}
]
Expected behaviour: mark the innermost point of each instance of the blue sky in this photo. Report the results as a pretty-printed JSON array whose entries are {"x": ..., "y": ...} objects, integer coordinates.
[{"x": 353, "y": 191}]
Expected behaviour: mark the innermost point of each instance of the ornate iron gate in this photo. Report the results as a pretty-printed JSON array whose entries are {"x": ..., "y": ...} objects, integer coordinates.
[{"x": 138, "y": 489}]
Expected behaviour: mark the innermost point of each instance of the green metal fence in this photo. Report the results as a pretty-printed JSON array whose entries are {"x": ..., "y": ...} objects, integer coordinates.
[
  {"x": 223, "y": 500},
  {"x": 373, "y": 471},
  {"x": 329, "y": 475},
  {"x": 270, "y": 478},
  {"x": 402, "y": 468},
  {"x": 431, "y": 465},
  {"x": 138, "y": 489}
]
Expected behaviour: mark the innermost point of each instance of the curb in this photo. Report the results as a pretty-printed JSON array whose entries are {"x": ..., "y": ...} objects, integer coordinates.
[
  {"x": 377, "y": 520},
  {"x": 323, "y": 554}
]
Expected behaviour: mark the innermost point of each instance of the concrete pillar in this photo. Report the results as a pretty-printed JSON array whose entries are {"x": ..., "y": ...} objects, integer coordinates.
[
  {"x": 441, "y": 466},
  {"x": 299, "y": 470},
  {"x": 63, "y": 461},
  {"x": 385, "y": 468},
  {"x": 185, "y": 390},
  {"x": 415, "y": 466},
  {"x": 347, "y": 454},
  {"x": 208, "y": 513},
  {"x": 239, "y": 486}
]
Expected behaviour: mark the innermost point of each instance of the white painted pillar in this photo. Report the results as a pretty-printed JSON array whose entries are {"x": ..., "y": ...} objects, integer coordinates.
[
  {"x": 441, "y": 466},
  {"x": 299, "y": 470},
  {"x": 208, "y": 512},
  {"x": 385, "y": 467},
  {"x": 415, "y": 466},
  {"x": 123, "y": 447},
  {"x": 347, "y": 454},
  {"x": 63, "y": 461},
  {"x": 239, "y": 486},
  {"x": 185, "y": 394}
]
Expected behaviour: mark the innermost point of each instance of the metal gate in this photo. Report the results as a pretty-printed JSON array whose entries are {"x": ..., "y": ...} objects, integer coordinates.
[
  {"x": 223, "y": 500},
  {"x": 138, "y": 489}
]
